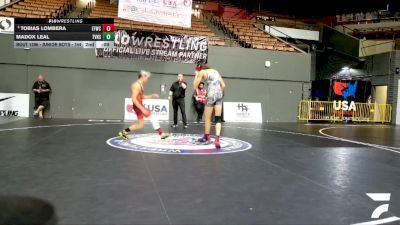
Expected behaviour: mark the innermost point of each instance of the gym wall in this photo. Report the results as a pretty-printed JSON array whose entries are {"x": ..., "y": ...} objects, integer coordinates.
[{"x": 94, "y": 88}]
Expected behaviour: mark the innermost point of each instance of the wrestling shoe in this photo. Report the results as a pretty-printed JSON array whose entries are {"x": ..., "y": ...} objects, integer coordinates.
[
  {"x": 216, "y": 142},
  {"x": 164, "y": 136},
  {"x": 205, "y": 139},
  {"x": 123, "y": 135}
]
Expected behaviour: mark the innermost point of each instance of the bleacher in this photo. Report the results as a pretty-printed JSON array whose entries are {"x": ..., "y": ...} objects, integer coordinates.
[
  {"x": 104, "y": 9},
  {"x": 249, "y": 36},
  {"x": 241, "y": 30},
  {"x": 37, "y": 8}
]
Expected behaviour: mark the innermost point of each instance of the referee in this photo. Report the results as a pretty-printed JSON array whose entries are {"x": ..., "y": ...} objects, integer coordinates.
[{"x": 177, "y": 92}]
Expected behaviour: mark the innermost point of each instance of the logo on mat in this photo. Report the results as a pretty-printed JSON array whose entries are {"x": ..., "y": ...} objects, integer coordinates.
[
  {"x": 177, "y": 144},
  {"x": 376, "y": 214}
]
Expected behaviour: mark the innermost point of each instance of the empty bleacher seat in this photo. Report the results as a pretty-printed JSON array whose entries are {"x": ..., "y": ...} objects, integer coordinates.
[
  {"x": 250, "y": 36},
  {"x": 36, "y": 8},
  {"x": 104, "y": 9}
]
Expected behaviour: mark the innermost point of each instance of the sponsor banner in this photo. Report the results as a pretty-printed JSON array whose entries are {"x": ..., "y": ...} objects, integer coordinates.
[
  {"x": 12, "y": 104},
  {"x": 242, "y": 112},
  {"x": 157, "y": 47},
  {"x": 6, "y": 25},
  {"x": 351, "y": 90},
  {"x": 159, "y": 109},
  {"x": 343, "y": 90},
  {"x": 285, "y": 32},
  {"x": 266, "y": 18},
  {"x": 164, "y": 12}
]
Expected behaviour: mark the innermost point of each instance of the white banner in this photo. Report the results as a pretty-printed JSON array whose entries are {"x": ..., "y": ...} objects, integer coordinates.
[
  {"x": 12, "y": 104},
  {"x": 165, "y": 12},
  {"x": 155, "y": 46},
  {"x": 6, "y": 25},
  {"x": 242, "y": 112},
  {"x": 159, "y": 109}
]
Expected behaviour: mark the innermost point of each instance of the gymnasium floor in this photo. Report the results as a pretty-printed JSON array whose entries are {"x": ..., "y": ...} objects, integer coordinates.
[{"x": 292, "y": 174}]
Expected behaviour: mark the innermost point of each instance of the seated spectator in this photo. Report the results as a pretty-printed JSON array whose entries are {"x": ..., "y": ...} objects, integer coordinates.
[
  {"x": 42, "y": 91},
  {"x": 344, "y": 18},
  {"x": 362, "y": 16},
  {"x": 199, "y": 101}
]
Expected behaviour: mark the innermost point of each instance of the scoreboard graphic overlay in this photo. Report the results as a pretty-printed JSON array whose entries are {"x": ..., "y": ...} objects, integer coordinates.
[{"x": 64, "y": 33}]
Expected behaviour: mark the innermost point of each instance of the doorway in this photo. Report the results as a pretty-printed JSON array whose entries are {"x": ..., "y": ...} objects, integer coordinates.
[{"x": 379, "y": 94}]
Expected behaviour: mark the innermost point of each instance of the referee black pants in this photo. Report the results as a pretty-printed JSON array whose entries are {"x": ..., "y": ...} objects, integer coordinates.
[{"x": 179, "y": 102}]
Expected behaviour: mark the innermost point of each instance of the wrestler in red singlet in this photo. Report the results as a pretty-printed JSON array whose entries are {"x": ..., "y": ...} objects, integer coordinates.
[{"x": 137, "y": 96}]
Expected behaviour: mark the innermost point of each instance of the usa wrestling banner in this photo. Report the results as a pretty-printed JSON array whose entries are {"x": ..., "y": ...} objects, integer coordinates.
[
  {"x": 164, "y": 12},
  {"x": 159, "y": 109},
  {"x": 157, "y": 47}
]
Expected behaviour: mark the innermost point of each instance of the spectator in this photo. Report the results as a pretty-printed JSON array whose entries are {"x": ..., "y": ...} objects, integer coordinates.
[
  {"x": 375, "y": 16},
  {"x": 369, "y": 99},
  {"x": 344, "y": 18},
  {"x": 357, "y": 17},
  {"x": 199, "y": 100},
  {"x": 177, "y": 92},
  {"x": 349, "y": 17},
  {"x": 368, "y": 16},
  {"x": 42, "y": 91}
]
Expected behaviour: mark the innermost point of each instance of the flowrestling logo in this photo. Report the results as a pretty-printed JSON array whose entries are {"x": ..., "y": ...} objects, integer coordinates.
[
  {"x": 3, "y": 99},
  {"x": 8, "y": 112},
  {"x": 14, "y": 104},
  {"x": 177, "y": 144}
]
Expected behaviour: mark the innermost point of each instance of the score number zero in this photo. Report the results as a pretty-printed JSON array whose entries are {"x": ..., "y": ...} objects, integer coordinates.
[{"x": 108, "y": 32}]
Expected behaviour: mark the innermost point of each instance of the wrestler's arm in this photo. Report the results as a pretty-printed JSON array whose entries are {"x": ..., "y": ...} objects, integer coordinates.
[
  {"x": 197, "y": 79},
  {"x": 135, "y": 90},
  {"x": 152, "y": 96},
  {"x": 222, "y": 83}
]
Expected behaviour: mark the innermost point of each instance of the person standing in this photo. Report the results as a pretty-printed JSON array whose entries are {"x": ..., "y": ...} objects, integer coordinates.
[
  {"x": 42, "y": 91},
  {"x": 199, "y": 100},
  {"x": 137, "y": 96},
  {"x": 215, "y": 90},
  {"x": 177, "y": 93}
]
